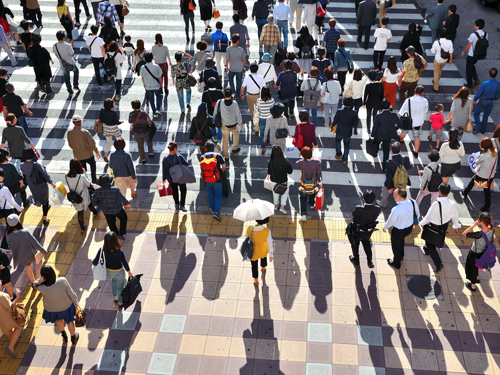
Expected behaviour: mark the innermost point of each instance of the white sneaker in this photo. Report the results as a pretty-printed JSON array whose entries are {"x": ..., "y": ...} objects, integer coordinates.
[{"x": 303, "y": 218}]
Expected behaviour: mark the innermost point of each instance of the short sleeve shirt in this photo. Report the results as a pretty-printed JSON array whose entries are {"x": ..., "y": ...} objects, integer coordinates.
[
  {"x": 64, "y": 52},
  {"x": 411, "y": 73},
  {"x": 249, "y": 83},
  {"x": 473, "y": 39},
  {"x": 14, "y": 104},
  {"x": 235, "y": 56},
  {"x": 382, "y": 35},
  {"x": 95, "y": 50},
  {"x": 160, "y": 53},
  {"x": 436, "y": 121},
  {"x": 391, "y": 78}
]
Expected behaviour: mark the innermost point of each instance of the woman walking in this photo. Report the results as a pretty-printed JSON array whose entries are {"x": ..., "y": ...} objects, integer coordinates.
[
  {"x": 200, "y": 132},
  {"x": 116, "y": 264},
  {"x": 262, "y": 245},
  {"x": 7, "y": 323},
  {"x": 40, "y": 192},
  {"x": 450, "y": 154},
  {"x": 138, "y": 57},
  {"x": 278, "y": 170},
  {"x": 273, "y": 123},
  {"x": 180, "y": 77},
  {"x": 77, "y": 181},
  {"x": 66, "y": 20},
  {"x": 15, "y": 136},
  {"x": 41, "y": 58},
  {"x": 123, "y": 168},
  {"x": 118, "y": 55},
  {"x": 4, "y": 12},
  {"x": 287, "y": 84},
  {"x": 200, "y": 57},
  {"x": 109, "y": 34},
  {"x": 305, "y": 44},
  {"x": 322, "y": 63},
  {"x": 5, "y": 279},
  {"x": 487, "y": 163},
  {"x": 24, "y": 247},
  {"x": 59, "y": 302},
  {"x": 478, "y": 247},
  {"x": 342, "y": 62},
  {"x": 330, "y": 94},
  {"x": 110, "y": 120},
  {"x": 206, "y": 12},
  {"x": 119, "y": 4},
  {"x": 169, "y": 161},
  {"x": 307, "y": 130},
  {"x": 187, "y": 12},
  {"x": 357, "y": 86},
  {"x": 262, "y": 112},
  {"x": 310, "y": 180},
  {"x": 411, "y": 38},
  {"x": 461, "y": 107},
  {"x": 141, "y": 123},
  {"x": 161, "y": 55},
  {"x": 390, "y": 80}
]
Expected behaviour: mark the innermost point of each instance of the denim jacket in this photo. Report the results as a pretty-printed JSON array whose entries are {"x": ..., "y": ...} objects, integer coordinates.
[{"x": 121, "y": 164}]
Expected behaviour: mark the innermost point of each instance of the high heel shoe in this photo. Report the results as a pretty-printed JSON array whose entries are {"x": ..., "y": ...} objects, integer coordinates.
[{"x": 10, "y": 352}]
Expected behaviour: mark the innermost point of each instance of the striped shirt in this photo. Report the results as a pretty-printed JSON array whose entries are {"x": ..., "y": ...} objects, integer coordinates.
[{"x": 264, "y": 108}]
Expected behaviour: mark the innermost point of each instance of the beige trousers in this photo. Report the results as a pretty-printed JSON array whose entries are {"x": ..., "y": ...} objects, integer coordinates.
[
  {"x": 251, "y": 100},
  {"x": 438, "y": 68},
  {"x": 225, "y": 139}
]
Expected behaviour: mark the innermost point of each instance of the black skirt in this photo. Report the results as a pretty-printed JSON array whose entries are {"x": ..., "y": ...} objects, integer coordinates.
[
  {"x": 448, "y": 170},
  {"x": 471, "y": 270},
  {"x": 206, "y": 13}
]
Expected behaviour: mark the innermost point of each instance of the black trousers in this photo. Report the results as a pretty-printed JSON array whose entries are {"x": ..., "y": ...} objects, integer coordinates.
[
  {"x": 189, "y": 17},
  {"x": 366, "y": 31},
  {"x": 289, "y": 106},
  {"x": 175, "y": 193},
  {"x": 96, "y": 61},
  {"x": 471, "y": 271},
  {"x": 398, "y": 243},
  {"x": 378, "y": 59},
  {"x": 341, "y": 77},
  {"x": 487, "y": 194},
  {"x": 371, "y": 112},
  {"x": 367, "y": 246},
  {"x": 78, "y": 11},
  {"x": 14, "y": 189},
  {"x": 255, "y": 267},
  {"x": 111, "y": 219},
  {"x": 91, "y": 162},
  {"x": 386, "y": 148},
  {"x": 80, "y": 215},
  {"x": 331, "y": 56},
  {"x": 431, "y": 249},
  {"x": 45, "y": 209},
  {"x": 36, "y": 16}
]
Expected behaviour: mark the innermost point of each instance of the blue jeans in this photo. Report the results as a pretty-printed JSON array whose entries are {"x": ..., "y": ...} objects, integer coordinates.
[
  {"x": 347, "y": 142},
  {"x": 260, "y": 24},
  {"x": 218, "y": 132},
  {"x": 180, "y": 96},
  {"x": 313, "y": 112},
  {"x": 21, "y": 121},
  {"x": 75, "y": 77},
  {"x": 329, "y": 112},
  {"x": 214, "y": 190},
  {"x": 283, "y": 26},
  {"x": 262, "y": 127},
  {"x": 117, "y": 283},
  {"x": 151, "y": 98},
  {"x": 485, "y": 106},
  {"x": 239, "y": 79},
  {"x": 303, "y": 202}
]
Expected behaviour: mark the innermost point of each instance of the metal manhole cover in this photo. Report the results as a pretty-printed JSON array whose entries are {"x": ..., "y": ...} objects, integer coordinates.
[{"x": 425, "y": 287}]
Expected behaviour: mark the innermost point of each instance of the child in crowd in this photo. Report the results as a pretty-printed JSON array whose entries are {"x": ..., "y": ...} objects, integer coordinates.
[
  {"x": 437, "y": 120},
  {"x": 129, "y": 50}
]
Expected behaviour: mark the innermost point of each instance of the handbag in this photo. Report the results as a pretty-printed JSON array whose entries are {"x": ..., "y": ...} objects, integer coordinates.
[
  {"x": 432, "y": 233},
  {"x": 299, "y": 141},
  {"x": 80, "y": 317},
  {"x": 246, "y": 249},
  {"x": 99, "y": 271},
  {"x": 18, "y": 313},
  {"x": 349, "y": 91},
  {"x": 192, "y": 80},
  {"x": 125, "y": 10},
  {"x": 469, "y": 126},
  {"x": 152, "y": 130},
  {"x": 281, "y": 132},
  {"x": 485, "y": 184},
  {"x": 371, "y": 147},
  {"x": 216, "y": 13},
  {"x": 133, "y": 125},
  {"x": 98, "y": 126},
  {"x": 131, "y": 290},
  {"x": 406, "y": 119},
  {"x": 192, "y": 7},
  {"x": 279, "y": 188},
  {"x": 201, "y": 85},
  {"x": 181, "y": 173},
  {"x": 37, "y": 255}
]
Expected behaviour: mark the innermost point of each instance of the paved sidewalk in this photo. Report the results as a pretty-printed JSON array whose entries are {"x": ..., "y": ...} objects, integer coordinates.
[{"x": 313, "y": 312}]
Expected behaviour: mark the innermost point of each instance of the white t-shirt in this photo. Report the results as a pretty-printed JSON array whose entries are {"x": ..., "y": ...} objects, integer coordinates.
[
  {"x": 249, "y": 83},
  {"x": 473, "y": 40},
  {"x": 446, "y": 45},
  {"x": 95, "y": 50},
  {"x": 392, "y": 78},
  {"x": 382, "y": 36}
]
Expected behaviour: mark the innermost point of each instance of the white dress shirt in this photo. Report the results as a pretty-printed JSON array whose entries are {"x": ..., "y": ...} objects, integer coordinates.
[
  {"x": 449, "y": 211},
  {"x": 401, "y": 216},
  {"x": 7, "y": 199},
  {"x": 265, "y": 67},
  {"x": 446, "y": 45},
  {"x": 249, "y": 83},
  {"x": 419, "y": 108},
  {"x": 282, "y": 12}
]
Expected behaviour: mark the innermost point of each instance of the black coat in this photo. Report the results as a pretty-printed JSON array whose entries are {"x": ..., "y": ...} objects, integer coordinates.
[
  {"x": 367, "y": 11},
  {"x": 386, "y": 124},
  {"x": 346, "y": 119},
  {"x": 208, "y": 73},
  {"x": 451, "y": 24},
  {"x": 41, "y": 58},
  {"x": 279, "y": 170},
  {"x": 366, "y": 217},
  {"x": 390, "y": 169},
  {"x": 411, "y": 39},
  {"x": 374, "y": 93},
  {"x": 203, "y": 125}
]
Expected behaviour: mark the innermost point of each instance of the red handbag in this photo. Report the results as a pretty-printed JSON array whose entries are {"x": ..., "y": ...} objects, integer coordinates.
[
  {"x": 299, "y": 141},
  {"x": 164, "y": 188},
  {"x": 320, "y": 12}
]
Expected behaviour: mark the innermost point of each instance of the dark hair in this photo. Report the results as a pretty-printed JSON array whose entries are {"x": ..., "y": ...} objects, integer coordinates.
[
  {"x": 401, "y": 192},
  {"x": 254, "y": 67},
  {"x": 314, "y": 72},
  {"x": 329, "y": 73},
  {"x": 412, "y": 27},
  {"x": 433, "y": 155},
  {"x": 443, "y": 32},
  {"x": 107, "y": 23},
  {"x": 321, "y": 52},
  {"x": 158, "y": 38},
  {"x": 60, "y": 3},
  {"x": 128, "y": 38},
  {"x": 291, "y": 55},
  {"x": 136, "y": 104},
  {"x": 372, "y": 74},
  {"x": 265, "y": 94},
  {"x": 148, "y": 56},
  {"x": 444, "y": 189},
  {"x": 111, "y": 243},
  {"x": 113, "y": 47},
  {"x": 304, "y": 31},
  {"x": 266, "y": 220},
  {"x": 480, "y": 23},
  {"x": 236, "y": 37},
  {"x": 493, "y": 72},
  {"x": 392, "y": 65},
  {"x": 277, "y": 153},
  {"x": 463, "y": 94},
  {"x": 28, "y": 154},
  {"x": 357, "y": 75},
  {"x": 60, "y": 35},
  {"x": 109, "y": 103},
  {"x": 304, "y": 116},
  {"x": 396, "y": 147},
  {"x": 496, "y": 133},
  {"x": 219, "y": 25},
  {"x": 209, "y": 146},
  {"x": 385, "y": 20},
  {"x": 202, "y": 45},
  {"x": 236, "y": 18},
  {"x": 486, "y": 144},
  {"x": 212, "y": 82},
  {"x": 94, "y": 29},
  {"x": 369, "y": 196},
  {"x": 48, "y": 273},
  {"x": 332, "y": 23},
  {"x": 306, "y": 152},
  {"x": 454, "y": 143},
  {"x": 419, "y": 90},
  {"x": 10, "y": 119},
  {"x": 10, "y": 229},
  {"x": 439, "y": 107},
  {"x": 385, "y": 103},
  {"x": 24, "y": 25},
  {"x": 440, "y": 1},
  {"x": 228, "y": 92},
  {"x": 36, "y": 38},
  {"x": 2, "y": 172},
  {"x": 485, "y": 218},
  {"x": 348, "y": 101},
  {"x": 452, "y": 8},
  {"x": 119, "y": 143},
  {"x": 75, "y": 167},
  {"x": 172, "y": 146},
  {"x": 139, "y": 47}
]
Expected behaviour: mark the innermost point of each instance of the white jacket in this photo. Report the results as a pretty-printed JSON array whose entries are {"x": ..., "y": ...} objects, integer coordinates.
[{"x": 330, "y": 92}]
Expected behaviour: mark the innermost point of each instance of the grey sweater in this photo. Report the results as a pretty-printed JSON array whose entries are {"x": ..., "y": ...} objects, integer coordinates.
[
  {"x": 57, "y": 297},
  {"x": 19, "y": 243},
  {"x": 230, "y": 114}
]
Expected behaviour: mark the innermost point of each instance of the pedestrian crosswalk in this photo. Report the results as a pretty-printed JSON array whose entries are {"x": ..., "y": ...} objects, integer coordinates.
[{"x": 52, "y": 116}]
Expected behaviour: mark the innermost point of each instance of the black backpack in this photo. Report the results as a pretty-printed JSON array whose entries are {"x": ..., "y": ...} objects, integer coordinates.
[
  {"x": 306, "y": 51},
  {"x": 481, "y": 47},
  {"x": 435, "y": 180},
  {"x": 36, "y": 175},
  {"x": 72, "y": 195},
  {"x": 139, "y": 65},
  {"x": 110, "y": 65}
]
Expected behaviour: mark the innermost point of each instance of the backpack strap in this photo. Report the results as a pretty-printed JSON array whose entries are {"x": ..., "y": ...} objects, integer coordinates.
[
  {"x": 254, "y": 81},
  {"x": 440, "y": 212},
  {"x": 151, "y": 74},
  {"x": 267, "y": 71},
  {"x": 486, "y": 238}
]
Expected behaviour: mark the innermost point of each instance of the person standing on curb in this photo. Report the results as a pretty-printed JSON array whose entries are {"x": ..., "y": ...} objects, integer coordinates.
[
  {"x": 419, "y": 107},
  {"x": 83, "y": 145},
  {"x": 401, "y": 220},
  {"x": 440, "y": 214},
  {"x": 262, "y": 245},
  {"x": 364, "y": 219},
  {"x": 212, "y": 167},
  {"x": 443, "y": 53},
  {"x": 486, "y": 95}
]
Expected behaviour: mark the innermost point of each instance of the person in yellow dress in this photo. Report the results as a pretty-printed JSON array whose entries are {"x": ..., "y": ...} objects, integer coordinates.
[{"x": 262, "y": 245}]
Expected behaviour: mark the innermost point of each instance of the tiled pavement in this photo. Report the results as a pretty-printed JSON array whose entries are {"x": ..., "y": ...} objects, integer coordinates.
[{"x": 313, "y": 313}]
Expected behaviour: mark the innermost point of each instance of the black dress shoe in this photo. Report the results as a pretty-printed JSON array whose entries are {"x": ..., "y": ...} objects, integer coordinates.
[
  {"x": 371, "y": 265},
  {"x": 485, "y": 209},
  {"x": 390, "y": 262},
  {"x": 439, "y": 268},
  {"x": 425, "y": 250},
  {"x": 353, "y": 260}
]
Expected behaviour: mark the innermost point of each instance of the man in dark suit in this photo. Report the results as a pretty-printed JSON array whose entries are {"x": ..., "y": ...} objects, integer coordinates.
[
  {"x": 385, "y": 129},
  {"x": 365, "y": 220},
  {"x": 435, "y": 18},
  {"x": 391, "y": 166},
  {"x": 345, "y": 119},
  {"x": 451, "y": 23},
  {"x": 367, "y": 12}
]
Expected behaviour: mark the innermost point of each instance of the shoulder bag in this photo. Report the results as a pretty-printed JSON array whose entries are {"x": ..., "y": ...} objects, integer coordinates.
[
  {"x": 198, "y": 137},
  {"x": 132, "y": 130},
  {"x": 80, "y": 317},
  {"x": 217, "y": 115},
  {"x": 281, "y": 132},
  {"x": 201, "y": 85},
  {"x": 469, "y": 126},
  {"x": 151, "y": 74},
  {"x": 485, "y": 184},
  {"x": 349, "y": 65},
  {"x": 66, "y": 65},
  {"x": 246, "y": 249},
  {"x": 433, "y": 234},
  {"x": 18, "y": 313},
  {"x": 99, "y": 271},
  {"x": 299, "y": 141},
  {"x": 349, "y": 91},
  {"x": 406, "y": 118},
  {"x": 181, "y": 173},
  {"x": 279, "y": 188}
]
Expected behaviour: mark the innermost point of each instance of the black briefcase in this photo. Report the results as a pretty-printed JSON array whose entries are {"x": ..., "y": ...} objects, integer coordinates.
[
  {"x": 433, "y": 235},
  {"x": 371, "y": 147}
]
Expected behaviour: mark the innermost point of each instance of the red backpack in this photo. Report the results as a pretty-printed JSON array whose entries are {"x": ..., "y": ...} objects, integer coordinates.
[
  {"x": 209, "y": 171},
  {"x": 5, "y": 25}
]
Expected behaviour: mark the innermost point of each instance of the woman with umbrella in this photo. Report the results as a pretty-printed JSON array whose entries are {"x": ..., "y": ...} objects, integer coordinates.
[{"x": 262, "y": 245}]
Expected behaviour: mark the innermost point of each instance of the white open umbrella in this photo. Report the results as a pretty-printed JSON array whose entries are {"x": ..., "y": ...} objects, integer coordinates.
[{"x": 254, "y": 209}]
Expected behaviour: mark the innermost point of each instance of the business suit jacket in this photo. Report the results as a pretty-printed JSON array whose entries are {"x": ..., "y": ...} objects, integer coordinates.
[
  {"x": 366, "y": 217},
  {"x": 451, "y": 24},
  {"x": 436, "y": 16},
  {"x": 367, "y": 12},
  {"x": 346, "y": 119},
  {"x": 390, "y": 169},
  {"x": 386, "y": 125},
  {"x": 374, "y": 93}
]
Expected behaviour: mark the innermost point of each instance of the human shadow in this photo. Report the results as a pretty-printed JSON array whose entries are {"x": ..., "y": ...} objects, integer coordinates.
[
  {"x": 65, "y": 357},
  {"x": 214, "y": 269},
  {"x": 286, "y": 266},
  {"x": 319, "y": 273}
]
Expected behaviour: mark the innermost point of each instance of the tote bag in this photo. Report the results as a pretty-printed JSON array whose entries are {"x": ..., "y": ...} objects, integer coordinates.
[{"x": 100, "y": 273}]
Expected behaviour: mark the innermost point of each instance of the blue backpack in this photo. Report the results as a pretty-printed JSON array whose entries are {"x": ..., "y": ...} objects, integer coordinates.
[{"x": 489, "y": 257}]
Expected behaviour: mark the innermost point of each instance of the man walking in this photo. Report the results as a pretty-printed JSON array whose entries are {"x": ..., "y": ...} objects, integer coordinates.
[
  {"x": 451, "y": 23},
  {"x": 470, "y": 65},
  {"x": 439, "y": 215},
  {"x": 396, "y": 173},
  {"x": 385, "y": 129},
  {"x": 235, "y": 61},
  {"x": 220, "y": 44},
  {"x": 212, "y": 168},
  {"x": 231, "y": 121},
  {"x": 410, "y": 73},
  {"x": 242, "y": 31},
  {"x": 270, "y": 37},
  {"x": 104, "y": 9},
  {"x": 64, "y": 52},
  {"x": 296, "y": 9},
  {"x": 150, "y": 74},
  {"x": 435, "y": 18},
  {"x": 367, "y": 12},
  {"x": 97, "y": 52},
  {"x": 13, "y": 103},
  {"x": 253, "y": 83},
  {"x": 418, "y": 106},
  {"x": 364, "y": 219},
  {"x": 443, "y": 53},
  {"x": 401, "y": 220},
  {"x": 283, "y": 16},
  {"x": 83, "y": 145},
  {"x": 5, "y": 45},
  {"x": 112, "y": 202},
  {"x": 346, "y": 119},
  {"x": 484, "y": 100}
]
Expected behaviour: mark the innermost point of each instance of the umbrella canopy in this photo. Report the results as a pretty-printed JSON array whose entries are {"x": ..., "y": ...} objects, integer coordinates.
[{"x": 255, "y": 209}]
